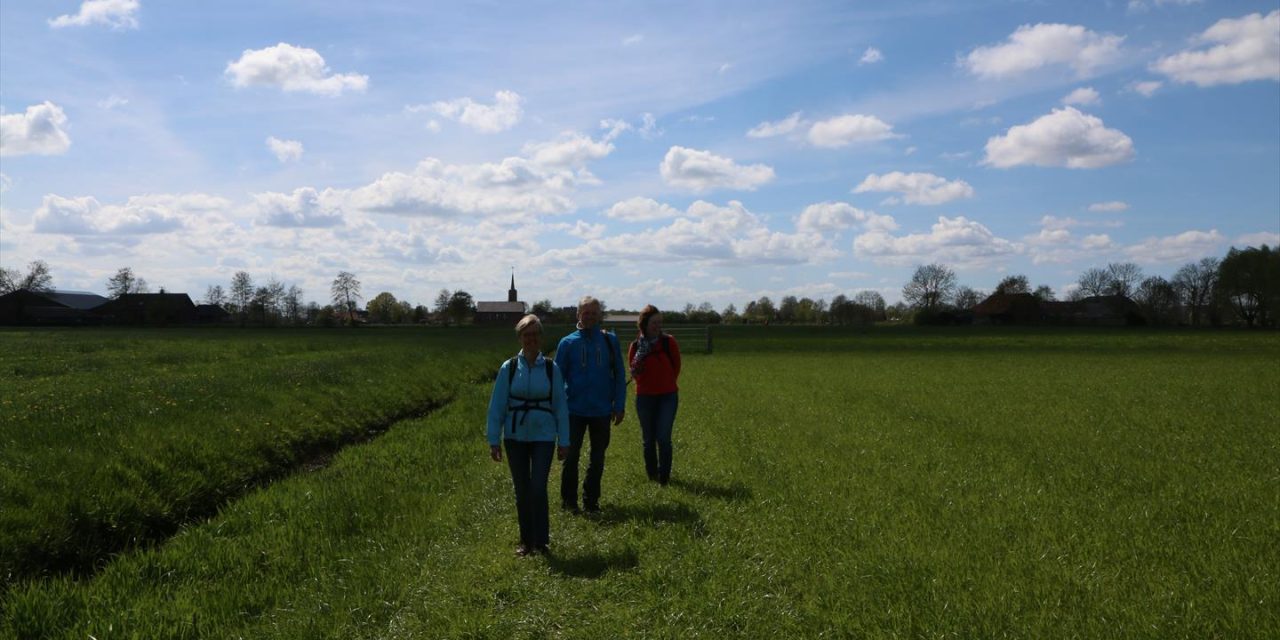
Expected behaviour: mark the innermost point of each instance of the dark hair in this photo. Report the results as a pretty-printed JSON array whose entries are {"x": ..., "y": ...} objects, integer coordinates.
[{"x": 647, "y": 312}]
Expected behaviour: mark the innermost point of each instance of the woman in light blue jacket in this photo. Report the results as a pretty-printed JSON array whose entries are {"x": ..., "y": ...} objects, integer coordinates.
[{"x": 529, "y": 414}]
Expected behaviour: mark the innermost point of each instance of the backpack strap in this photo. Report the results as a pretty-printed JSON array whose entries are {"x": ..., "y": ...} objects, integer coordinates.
[{"x": 528, "y": 404}]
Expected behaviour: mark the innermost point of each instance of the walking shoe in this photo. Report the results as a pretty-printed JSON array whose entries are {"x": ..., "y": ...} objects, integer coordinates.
[{"x": 523, "y": 550}]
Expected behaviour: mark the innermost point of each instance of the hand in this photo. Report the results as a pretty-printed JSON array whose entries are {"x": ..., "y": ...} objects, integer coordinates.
[
  {"x": 495, "y": 452},
  {"x": 618, "y": 416},
  {"x": 562, "y": 453}
]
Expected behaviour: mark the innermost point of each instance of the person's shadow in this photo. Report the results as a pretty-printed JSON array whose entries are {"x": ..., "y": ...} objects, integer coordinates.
[
  {"x": 731, "y": 493},
  {"x": 593, "y": 565},
  {"x": 650, "y": 514}
]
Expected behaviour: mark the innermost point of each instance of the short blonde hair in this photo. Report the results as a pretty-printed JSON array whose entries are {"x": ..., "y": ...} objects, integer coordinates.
[
  {"x": 587, "y": 301},
  {"x": 526, "y": 321}
]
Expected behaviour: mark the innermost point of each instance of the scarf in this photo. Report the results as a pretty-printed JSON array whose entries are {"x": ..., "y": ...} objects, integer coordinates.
[{"x": 644, "y": 346}]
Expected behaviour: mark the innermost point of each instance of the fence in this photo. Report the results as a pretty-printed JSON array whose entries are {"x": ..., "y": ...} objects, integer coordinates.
[{"x": 692, "y": 338}]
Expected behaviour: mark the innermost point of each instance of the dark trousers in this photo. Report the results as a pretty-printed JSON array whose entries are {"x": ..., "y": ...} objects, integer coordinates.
[
  {"x": 580, "y": 427},
  {"x": 530, "y": 464},
  {"x": 657, "y": 415}
]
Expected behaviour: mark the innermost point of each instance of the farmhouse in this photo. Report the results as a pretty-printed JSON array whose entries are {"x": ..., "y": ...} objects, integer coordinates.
[
  {"x": 48, "y": 307},
  {"x": 148, "y": 309},
  {"x": 500, "y": 313}
]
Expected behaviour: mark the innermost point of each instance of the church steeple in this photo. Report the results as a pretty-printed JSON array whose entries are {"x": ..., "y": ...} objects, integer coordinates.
[{"x": 511, "y": 293}]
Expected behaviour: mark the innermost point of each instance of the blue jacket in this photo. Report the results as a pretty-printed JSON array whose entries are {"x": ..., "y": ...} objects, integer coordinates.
[
  {"x": 547, "y": 423},
  {"x": 594, "y": 372}
]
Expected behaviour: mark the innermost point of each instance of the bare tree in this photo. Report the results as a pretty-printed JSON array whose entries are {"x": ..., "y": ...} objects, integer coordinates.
[
  {"x": 345, "y": 291},
  {"x": 1014, "y": 284},
  {"x": 1158, "y": 300},
  {"x": 38, "y": 278},
  {"x": 1044, "y": 292},
  {"x": 1093, "y": 282},
  {"x": 293, "y": 304},
  {"x": 1124, "y": 278},
  {"x": 215, "y": 295},
  {"x": 124, "y": 281},
  {"x": 968, "y": 297},
  {"x": 930, "y": 286},
  {"x": 8, "y": 280},
  {"x": 242, "y": 293},
  {"x": 1194, "y": 283}
]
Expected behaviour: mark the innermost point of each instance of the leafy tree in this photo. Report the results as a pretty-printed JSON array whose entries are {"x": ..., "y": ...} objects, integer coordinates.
[
  {"x": 541, "y": 308},
  {"x": 1014, "y": 284},
  {"x": 1195, "y": 282},
  {"x": 242, "y": 294},
  {"x": 8, "y": 280},
  {"x": 420, "y": 314},
  {"x": 787, "y": 309},
  {"x": 345, "y": 291},
  {"x": 442, "y": 304},
  {"x": 1249, "y": 280},
  {"x": 124, "y": 281},
  {"x": 762, "y": 310},
  {"x": 871, "y": 300},
  {"x": 729, "y": 315},
  {"x": 1044, "y": 293},
  {"x": 929, "y": 287},
  {"x": 382, "y": 308},
  {"x": 1158, "y": 300},
  {"x": 403, "y": 312},
  {"x": 461, "y": 306},
  {"x": 38, "y": 278}
]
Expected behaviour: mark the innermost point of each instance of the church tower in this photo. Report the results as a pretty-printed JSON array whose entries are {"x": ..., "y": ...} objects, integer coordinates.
[{"x": 511, "y": 293}]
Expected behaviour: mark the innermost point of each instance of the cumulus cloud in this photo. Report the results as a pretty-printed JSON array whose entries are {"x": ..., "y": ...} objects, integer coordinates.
[
  {"x": 698, "y": 170},
  {"x": 847, "y": 129},
  {"x": 503, "y": 114},
  {"x": 956, "y": 240},
  {"x": 1146, "y": 88},
  {"x": 570, "y": 150},
  {"x": 641, "y": 210},
  {"x": 1112, "y": 206},
  {"x": 291, "y": 68},
  {"x": 1096, "y": 241},
  {"x": 871, "y": 56},
  {"x": 1244, "y": 49},
  {"x": 284, "y": 150},
  {"x": 917, "y": 188},
  {"x": 1032, "y": 47},
  {"x": 304, "y": 208},
  {"x": 825, "y": 217},
  {"x": 727, "y": 234},
  {"x": 1183, "y": 247},
  {"x": 117, "y": 14},
  {"x": 140, "y": 215},
  {"x": 434, "y": 189},
  {"x": 38, "y": 131},
  {"x": 1083, "y": 95},
  {"x": 778, "y": 128},
  {"x": 1269, "y": 238},
  {"x": 1064, "y": 138}
]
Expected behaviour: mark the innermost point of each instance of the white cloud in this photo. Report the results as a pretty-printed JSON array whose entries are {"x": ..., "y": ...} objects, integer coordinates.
[
  {"x": 1096, "y": 241},
  {"x": 112, "y": 101},
  {"x": 570, "y": 150},
  {"x": 1147, "y": 88},
  {"x": 1143, "y": 5},
  {"x": 1083, "y": 95},
  {"x": 957, "y": 241},
  {"x": 140, "y": 215},
  {"x": 698, "y": 170},
  {"x": 835, "y": 216},
  {"x": 843, "y": 130},
  {"x": 729, "y": 235},
  {"x": 1032, "y": 47},
  {"x": 39, "y": 131},
  {"x": 1269, "y": 238},
  {"x": 505, "y": 112},
  {"x": 633, "y": 39},
  {"x": 583, "y": 229},
  {"x": 117, "y": 14},
  {"x": 284, "y": 150},
  {"x": 305, "y": 207},
  {"x": 1185, "y": 246},
  {"x": 724, "y": 68},
  {"x": 513, "y": 187},
  {"x": 917, "y": 188},
  {"x": 1109, "y": 207},
  {"x": 771, "y": 129},
  {"x": 1064, "y": 138},
  {"x": 291, "y": 68},
  {"x": 871, "y": 56},
  {"x": 641, "y": 210},
  {"x": 1247, "y": 49}
]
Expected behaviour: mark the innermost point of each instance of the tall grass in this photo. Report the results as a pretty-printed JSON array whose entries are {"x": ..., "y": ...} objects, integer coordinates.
[{"x": 826, "y": 484}]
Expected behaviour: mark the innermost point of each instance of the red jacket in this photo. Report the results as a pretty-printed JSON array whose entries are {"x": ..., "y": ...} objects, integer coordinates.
[{"x": 660, "y": 369}]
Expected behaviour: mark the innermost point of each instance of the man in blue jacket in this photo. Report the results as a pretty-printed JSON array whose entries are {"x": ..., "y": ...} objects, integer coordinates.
[{"x": 591, "y": 361}]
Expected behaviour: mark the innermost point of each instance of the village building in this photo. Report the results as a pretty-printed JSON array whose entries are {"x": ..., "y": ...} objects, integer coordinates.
[
  {"x": 501, "y": 313},
  {"x": 148, "y": 309},
  {"x": 26, "y": 307}
]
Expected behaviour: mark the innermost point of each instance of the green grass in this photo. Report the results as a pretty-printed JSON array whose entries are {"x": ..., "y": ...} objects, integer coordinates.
[{"x": 885, "y": 483}]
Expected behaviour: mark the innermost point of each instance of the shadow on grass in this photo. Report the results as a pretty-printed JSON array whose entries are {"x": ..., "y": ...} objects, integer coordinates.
[
  {"x": 731, "y": 493},
  {"x": 593, "y": 565},
  {"x": 650, "y": 514}
]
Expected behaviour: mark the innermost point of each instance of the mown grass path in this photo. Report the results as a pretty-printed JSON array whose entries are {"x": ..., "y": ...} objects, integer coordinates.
[{"x": 980, "y": 484}]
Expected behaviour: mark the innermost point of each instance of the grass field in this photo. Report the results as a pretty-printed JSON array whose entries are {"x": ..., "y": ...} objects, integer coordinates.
[{"x": 895, "y": 483}]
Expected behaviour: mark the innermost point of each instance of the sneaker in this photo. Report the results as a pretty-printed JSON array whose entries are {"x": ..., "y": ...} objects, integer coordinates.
[{"x": 523, "y": 550}]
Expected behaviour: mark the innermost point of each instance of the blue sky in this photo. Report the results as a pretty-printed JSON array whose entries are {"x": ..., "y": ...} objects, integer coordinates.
[{"x": 639, "y": 152}]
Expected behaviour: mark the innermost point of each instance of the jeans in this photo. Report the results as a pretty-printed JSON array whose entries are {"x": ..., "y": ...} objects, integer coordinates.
[
  {"x": 657, "y": 416},
  {"x": 580, "y": 427},
  {"x": 530, "y": 464}
]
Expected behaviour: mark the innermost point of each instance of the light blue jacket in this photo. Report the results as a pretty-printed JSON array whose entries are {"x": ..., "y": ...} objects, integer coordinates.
[
  {"x": 548, "y": 422},
  {"x": 594, "y": 372}
]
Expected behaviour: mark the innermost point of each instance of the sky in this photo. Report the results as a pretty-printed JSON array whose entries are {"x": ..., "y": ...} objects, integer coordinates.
[{"x": 639, "y": 152}]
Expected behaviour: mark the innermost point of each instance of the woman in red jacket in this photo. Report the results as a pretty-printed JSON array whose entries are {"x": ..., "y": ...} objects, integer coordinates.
[{"x": 655, "y": 366}]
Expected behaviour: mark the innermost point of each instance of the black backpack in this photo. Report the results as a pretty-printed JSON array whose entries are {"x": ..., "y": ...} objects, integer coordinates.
[{"x": 528, "y": 404}]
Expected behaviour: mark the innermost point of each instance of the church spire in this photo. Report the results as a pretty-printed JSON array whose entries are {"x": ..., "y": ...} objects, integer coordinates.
[{"x": 511, "y": 293}]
